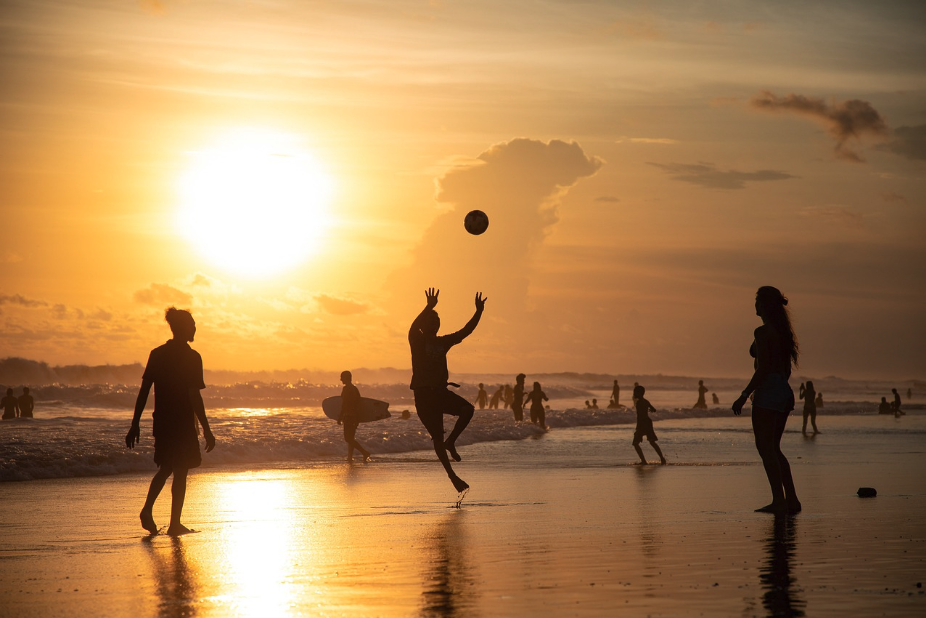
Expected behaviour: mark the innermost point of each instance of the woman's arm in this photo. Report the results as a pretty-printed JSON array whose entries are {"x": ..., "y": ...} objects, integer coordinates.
[{"x": 763, "y": 363}]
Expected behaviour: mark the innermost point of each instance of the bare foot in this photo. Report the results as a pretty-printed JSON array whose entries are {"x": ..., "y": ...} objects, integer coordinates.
[
  {"x": 147, "y": 522},
  {"x": 773, "y": 508},
  {"x": 458, "y": 483},
  {"x": 794, "y": 507},
  {"x": 366, "y": 458},
  {"x": 178, "y": 530},
  {"x": 350, "y": 460},
  {"x": 641, "y": 463},
  {"x": 452, "y": 451},
  {"x": 664, "y": 462}
]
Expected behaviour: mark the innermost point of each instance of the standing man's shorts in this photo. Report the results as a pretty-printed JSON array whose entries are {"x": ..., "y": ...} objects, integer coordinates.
[{"x": 433, "y": 403}]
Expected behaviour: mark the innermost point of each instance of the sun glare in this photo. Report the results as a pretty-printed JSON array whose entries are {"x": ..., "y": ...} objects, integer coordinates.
[{"x": 255, "y": 202}]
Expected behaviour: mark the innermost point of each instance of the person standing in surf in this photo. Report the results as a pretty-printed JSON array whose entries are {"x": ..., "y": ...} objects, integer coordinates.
[
  {"x": 536, "y": 398},
  {"x": 350, "y": 416},
  {"x": 430, "y": 380},
  {"x": 644, "y": 428},
  {"x": 774, "y": 349},
  {"x": 176, "y": 372}
]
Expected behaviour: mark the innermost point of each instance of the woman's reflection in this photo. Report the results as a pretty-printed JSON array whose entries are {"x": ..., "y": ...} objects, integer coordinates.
[
  {"x": 176, "y": 584},
  {"x": 780, "y": 598},
  {"x": 448, "y": 584}
]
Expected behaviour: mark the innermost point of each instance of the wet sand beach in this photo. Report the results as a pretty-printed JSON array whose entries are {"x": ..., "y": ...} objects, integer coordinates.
[{"x": 560, "y": 525}]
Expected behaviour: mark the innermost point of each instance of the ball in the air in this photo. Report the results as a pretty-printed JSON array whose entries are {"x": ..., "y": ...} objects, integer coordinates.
[{"x": 476, "y": 222}]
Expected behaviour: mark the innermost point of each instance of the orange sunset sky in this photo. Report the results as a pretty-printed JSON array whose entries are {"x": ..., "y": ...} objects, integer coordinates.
[{"x": 296, "y": 173}]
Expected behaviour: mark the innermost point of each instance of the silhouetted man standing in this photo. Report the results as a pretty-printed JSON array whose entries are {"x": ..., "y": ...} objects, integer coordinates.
[
  {"x": 429, "y": 380},
  {"x": 26, "y": 404}
]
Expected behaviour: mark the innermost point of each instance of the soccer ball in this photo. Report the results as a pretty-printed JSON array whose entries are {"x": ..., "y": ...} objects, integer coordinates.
[{"x": 476, "y": 222}]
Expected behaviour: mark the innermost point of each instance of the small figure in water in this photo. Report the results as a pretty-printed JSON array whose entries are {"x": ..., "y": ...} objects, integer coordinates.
[
  {"x": 481, "y": 397},
  {"x": 176, "y": 372},
  {"x": 885, "y": 407},
  {"x": 774, "y": 349},
  {"x": 588, "y": 406},
  {"x": 509, "y": 395},
  {"x": 517, "y": 398},
  {"x": 536, "y": 398},
  {"x": 809, "y": 395},
  {"x": 909, "y": 394},
  {"x": 10, "y": 405},
  {"x": 430, "y": 380},
  {"x": 701, "y": 404},
  {"x": 819, "y": 400},
  {"x": 644, "y": 425},
  {"x": 496, "y": 397},
  {"x": 616, "y": 395},
  {"x": 594, "y": 405},
  {"x": 714, "y": 399},
  {"x": 26, "y": 404},
  {"x": 350, "y": 416},
  {"x": 895, "y": 405}
]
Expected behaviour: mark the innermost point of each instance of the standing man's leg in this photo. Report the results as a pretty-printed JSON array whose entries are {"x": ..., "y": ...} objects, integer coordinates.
[
  {"x": 177, "y": 495},
  {"x": 154, "y": 490}
]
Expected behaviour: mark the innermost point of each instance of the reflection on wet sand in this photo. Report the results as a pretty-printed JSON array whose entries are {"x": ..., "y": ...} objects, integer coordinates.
[
  {"x": 448, "y": 588},
  {"x": 781, "y": 594},
  {"x": 176, "y": 584}
]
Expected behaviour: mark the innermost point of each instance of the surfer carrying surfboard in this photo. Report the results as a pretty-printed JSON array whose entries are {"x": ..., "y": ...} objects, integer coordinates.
[
  {"x": 429, "y": 380},
  {"x": 350, "y": 416}
]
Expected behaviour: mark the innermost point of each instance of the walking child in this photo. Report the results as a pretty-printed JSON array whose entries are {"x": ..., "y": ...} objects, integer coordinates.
[{"x": 644, "y": 425}]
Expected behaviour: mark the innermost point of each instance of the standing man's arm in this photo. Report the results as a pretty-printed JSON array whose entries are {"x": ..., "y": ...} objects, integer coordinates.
[
  {"x": 134, "y": 435},
  {"x": 196, "y": 399}
]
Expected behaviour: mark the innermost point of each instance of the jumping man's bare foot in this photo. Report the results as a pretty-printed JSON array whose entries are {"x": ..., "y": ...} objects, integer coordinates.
[
  {"x": 366, "y": 458},
  {"x": 458, "y": 483},
  {"x": 178, "y": 530},
  {"x": 452, "y": 451},
  {"x": 640, "y": 463},
  {"x": 147, "y": 522}
]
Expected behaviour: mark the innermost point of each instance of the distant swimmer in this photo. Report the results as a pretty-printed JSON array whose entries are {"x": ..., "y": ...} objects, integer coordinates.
[
  {"x": 536, "y": 398},
  {"x": 509, "y": 395},
  {"x": 909, "y": 394},
  {"x": 885, "y": 407},
  {"x": 350, "y": 416},
  {"x": 774, "y": 350},
  {"x": 594, "y": 405},
  {"x": 714, "y": 399},
  {"x": 10, "y": 404},
  {"x": 588, "y": 405},
  {"x": 809, "y": 395},
  {"x": 819, "y": 400},
  {"x": 430, "y": 380},
  {"x": 26, "y": 404},
  {"x": 176, "y": 372},
  {"x": 616, "y": 394},
  {"x": 496, "y": 397},
  {"x": 517, "y": 398},
  {"x": 895, "y": 405},
  {"x": 481, "y": 397},
  {"x": 701, "y": 404},
  {"x": 644, "y": 427}
]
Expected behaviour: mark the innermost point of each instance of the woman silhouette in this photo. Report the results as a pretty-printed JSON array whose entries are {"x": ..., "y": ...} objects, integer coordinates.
[{"x": 775, "y": 350}]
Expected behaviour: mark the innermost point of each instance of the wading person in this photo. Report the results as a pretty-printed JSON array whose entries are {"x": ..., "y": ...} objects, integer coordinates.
[
  {"x": 176, "y": 371},
  {"x": 429, "y": 380},
  {"x": 775, "y": 349},
  {"x": 350, "y": 416}
]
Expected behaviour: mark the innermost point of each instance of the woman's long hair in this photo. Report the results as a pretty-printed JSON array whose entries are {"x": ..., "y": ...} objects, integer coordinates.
[{"x": 775, "y": 311}]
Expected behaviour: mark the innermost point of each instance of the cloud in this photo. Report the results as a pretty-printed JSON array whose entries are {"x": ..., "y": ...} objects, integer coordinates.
[
  {"x": 610, "y": 199},
  {"x": 843, "y": 120},
  {"x": 647, "y": 140},
  {"x": 517, "y": 184},
  {"x": 11, "y": 258},
  {"x": 340, "y": 306},
  {"x": 707, "y": 175},
  {"x": 160, "y": 294},
  {"x": 909, "y": 142},
  {"x": 22, "y": 301},
  {"x": 840, "y": 214},
  {"x": 891, "y": 196}
]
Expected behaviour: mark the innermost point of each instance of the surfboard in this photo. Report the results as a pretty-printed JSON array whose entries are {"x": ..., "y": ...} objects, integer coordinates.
[{"x": 370, "y": 409}]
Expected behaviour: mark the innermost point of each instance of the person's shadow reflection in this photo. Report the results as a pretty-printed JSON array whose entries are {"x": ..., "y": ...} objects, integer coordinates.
[
  {"x": 448, "y": 588},
  {"x": 781, "y": 593},
  {"x": 176, "y": 584}
]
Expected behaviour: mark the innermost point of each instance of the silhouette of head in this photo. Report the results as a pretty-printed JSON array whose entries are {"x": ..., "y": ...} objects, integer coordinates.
[
  {"x": 638, "y": 391},
  {"x": 810, "y": 385},
  {"x": 536, "y": 386},
  {"x": 181, "y": 323},
  {"x": 431, "y": 323},
  {"x": 700, "y": 382},
  {"x": 25, "y": 390},
  {"x": 884, "y": 399},
  {"x": 520, "y": 378},
  {"x": 615, "y": 382},
  {"x": 9, "y": 391},
  {"x": 894, "y": 390},
  {"x": 480, "y": 385},
  {"x": 346, "y": 377},
  {"x": 594, "y": 401}
]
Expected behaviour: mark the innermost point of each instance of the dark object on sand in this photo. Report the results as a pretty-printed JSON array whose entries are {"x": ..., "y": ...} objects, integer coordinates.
[{"x": 867, "y": 492}]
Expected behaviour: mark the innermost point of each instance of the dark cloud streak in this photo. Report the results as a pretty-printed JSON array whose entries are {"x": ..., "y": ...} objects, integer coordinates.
[{"x": 707, "y": 175}]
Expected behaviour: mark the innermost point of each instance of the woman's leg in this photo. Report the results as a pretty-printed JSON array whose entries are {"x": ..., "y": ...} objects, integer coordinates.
[
  {"x": 806, "y": 414},
  {"x": 767, "y": 438},
  {"x": 787, "y": 481}
]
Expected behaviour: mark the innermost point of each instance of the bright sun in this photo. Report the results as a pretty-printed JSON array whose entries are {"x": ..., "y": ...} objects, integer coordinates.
[{"x": 254, "y": 202}]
